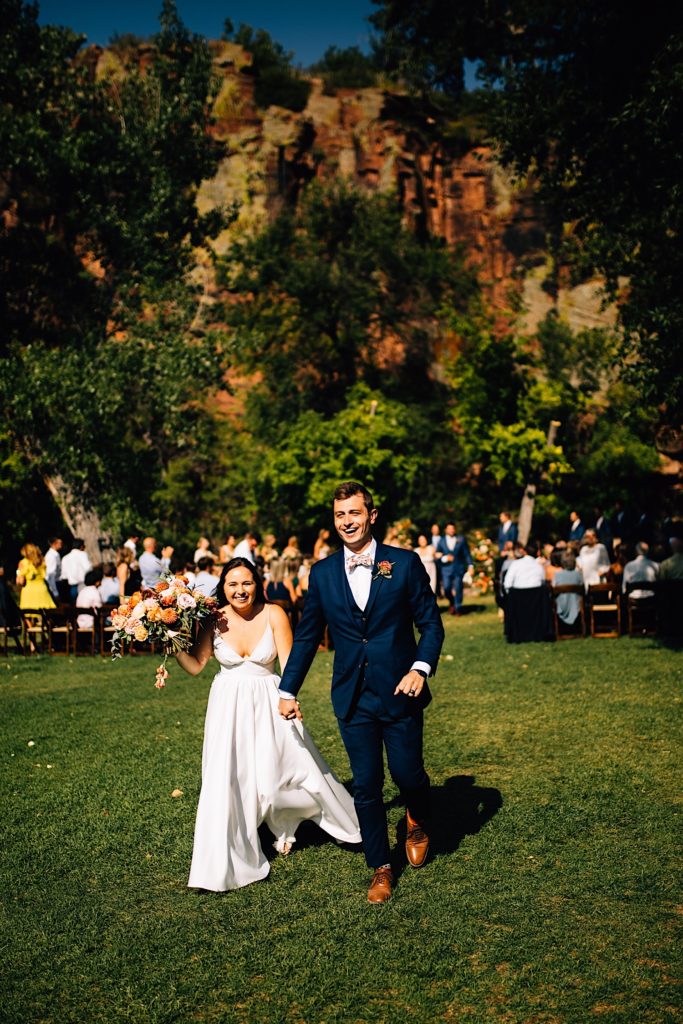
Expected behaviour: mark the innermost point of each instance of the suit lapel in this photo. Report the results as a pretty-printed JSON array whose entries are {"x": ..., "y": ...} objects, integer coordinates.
[{"x": 381, "y": 555}]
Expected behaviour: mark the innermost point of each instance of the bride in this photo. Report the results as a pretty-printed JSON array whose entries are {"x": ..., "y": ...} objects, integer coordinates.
[{"x": 256, "y": 767}]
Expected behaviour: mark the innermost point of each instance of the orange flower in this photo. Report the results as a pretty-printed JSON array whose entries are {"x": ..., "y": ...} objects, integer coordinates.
[
  {"x": 183, "y": 579},
  {"x": 169, "y": 616},
  {"x": 154, "y": 614},
  {"x": 167, "y": 601},
  {"x": 124, "y": 609},
  {"x": 134, "y": 599},
  {"x": 141, "y": 632},
  {"x": 161, "y": 585}
]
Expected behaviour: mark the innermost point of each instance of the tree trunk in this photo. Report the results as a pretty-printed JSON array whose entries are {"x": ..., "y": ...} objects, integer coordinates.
[
  {"x": 526, "y": 509},
  {"x": 83, "y": 523}
]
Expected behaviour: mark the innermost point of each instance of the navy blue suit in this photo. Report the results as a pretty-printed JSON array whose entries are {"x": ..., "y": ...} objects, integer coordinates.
[
  {"x": 453, "y": 572},
  {"x": 373, "y": 649},
  {"x": 505, "y": 535}
]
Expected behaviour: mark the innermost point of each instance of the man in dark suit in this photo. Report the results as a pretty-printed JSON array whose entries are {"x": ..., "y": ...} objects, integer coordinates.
[
  {"x": 455, "y": 560},
  {"x": 507, "y": 531},
  {"x": 576, "y": 528},
  {"x": 370, "y": 596}
]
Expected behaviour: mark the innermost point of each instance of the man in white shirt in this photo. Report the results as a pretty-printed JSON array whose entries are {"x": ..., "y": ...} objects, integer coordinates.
[
  {"x": 75, "y": 565},
  {"x": 132, "y": 544},
  {"x": 246, "y": 548},
  {"x": 523, "y": 572},
  {"x": 205, "y": 581},
  {"x": 152, "y": 567},
  {"x": 53, "y": 565},
  {"x": 640, "y": 568},
  {"x": 593, "y": 560}
]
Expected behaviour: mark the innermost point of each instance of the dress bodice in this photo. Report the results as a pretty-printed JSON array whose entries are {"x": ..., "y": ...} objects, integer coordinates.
[{"x": 260, "y": 662}]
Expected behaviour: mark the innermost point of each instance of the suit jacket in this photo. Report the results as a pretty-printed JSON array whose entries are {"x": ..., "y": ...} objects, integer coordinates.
[
  {"x": 462, "y": 559},
  {"x": 377, "y": 642},
  {"x": 505, "y": 535}
]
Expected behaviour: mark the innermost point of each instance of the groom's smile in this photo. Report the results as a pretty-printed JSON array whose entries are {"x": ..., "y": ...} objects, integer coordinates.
[{"x": 353, "y": 521}]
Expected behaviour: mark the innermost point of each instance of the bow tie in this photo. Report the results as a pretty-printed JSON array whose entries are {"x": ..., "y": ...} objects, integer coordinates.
[{"x": 355, "y": 560}]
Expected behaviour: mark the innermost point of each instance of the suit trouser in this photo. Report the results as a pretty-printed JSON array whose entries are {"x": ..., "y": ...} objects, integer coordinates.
[
  {"x": 453, "y": 588},
  {"x": 368, "y": 729}
]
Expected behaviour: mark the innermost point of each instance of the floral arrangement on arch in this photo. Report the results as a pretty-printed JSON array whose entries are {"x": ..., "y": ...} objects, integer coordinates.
[
  {"x": 484, "y": 552},
  {"x": 166, "y": 614}
]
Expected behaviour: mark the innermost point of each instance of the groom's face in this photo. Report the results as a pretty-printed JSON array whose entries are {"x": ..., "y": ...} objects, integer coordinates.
[{"x": 353, "y": 522}]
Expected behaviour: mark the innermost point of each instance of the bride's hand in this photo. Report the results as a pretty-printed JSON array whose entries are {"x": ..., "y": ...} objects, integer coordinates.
[{"x": 290, "y": 709}]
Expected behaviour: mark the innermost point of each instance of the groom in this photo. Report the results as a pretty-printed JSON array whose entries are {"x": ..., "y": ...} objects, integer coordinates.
[{"x": 370, "y": 596}]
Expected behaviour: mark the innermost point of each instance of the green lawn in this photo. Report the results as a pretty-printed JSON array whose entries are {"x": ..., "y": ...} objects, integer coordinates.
[{"x": 552, "y": 895}]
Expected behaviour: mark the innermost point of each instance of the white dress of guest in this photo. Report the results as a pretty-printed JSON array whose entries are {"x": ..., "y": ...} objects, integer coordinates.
[
  {"x": 594, "y": 563},
  {"x": 257, "y": 767},
  {"x": 641, "y": 568},
  {"x": 205, "y": 583},
  {"x": 75, "y": 565},
  {"x": 523, "y": 574},
  {"x": 88, "y": 597},
  {"x": 152, "y": 567},
  {"x": 53, "y": 570},
  {"x": 428, "y": 558},
  {"x": 568, "y": 605}
]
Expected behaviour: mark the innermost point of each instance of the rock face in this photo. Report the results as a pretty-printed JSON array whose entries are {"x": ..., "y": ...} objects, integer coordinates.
[{"x": 379, "y": 140}]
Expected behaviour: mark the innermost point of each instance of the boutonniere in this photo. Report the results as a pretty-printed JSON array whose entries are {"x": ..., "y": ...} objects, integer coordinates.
[{"x": 383, "y": 569}]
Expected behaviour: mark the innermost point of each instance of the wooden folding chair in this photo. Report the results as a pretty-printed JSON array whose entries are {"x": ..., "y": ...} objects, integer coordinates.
[
  {"x": 60, "y": 626},
  {"x": 87, "y": 632},
  {"x": 563, "y": 631},
  {"x": 641, "y": 611},
  {"x": 105, "y": 629},
  {"x": 604, "y": 601},
  {"x": 33, "y": 630}
]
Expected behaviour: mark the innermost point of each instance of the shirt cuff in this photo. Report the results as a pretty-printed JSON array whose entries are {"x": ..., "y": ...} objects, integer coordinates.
[
  {"x": 423, "y": 666},
  {"x": 286, "y": 696}
]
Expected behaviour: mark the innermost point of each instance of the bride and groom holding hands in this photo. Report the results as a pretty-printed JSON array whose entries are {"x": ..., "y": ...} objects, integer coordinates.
[{"x": 259, "y": 764}]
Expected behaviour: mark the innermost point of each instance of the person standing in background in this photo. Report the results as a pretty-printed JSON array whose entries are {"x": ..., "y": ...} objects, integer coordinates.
[
  {"x": 53, "y": 565},
  {"x": 152, "y": 567},
  {"x": 455, "y": 560},
  {"x": 75, "y": 565}
]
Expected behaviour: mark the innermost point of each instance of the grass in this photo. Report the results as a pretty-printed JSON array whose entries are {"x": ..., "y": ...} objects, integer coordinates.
[{"x": 552, "y": 894}]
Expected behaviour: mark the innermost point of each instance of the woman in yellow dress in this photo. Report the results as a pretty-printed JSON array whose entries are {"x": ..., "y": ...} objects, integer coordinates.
[{"x": 31, "y": 579}]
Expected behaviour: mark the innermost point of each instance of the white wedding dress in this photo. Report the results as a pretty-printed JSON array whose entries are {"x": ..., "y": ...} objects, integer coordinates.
[{"x": 257, "y": 767}]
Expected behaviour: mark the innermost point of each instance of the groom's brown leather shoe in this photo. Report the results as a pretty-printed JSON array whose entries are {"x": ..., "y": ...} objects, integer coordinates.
[
  {"x": 380, "y": 886},
  {"x": 417, "y": 842}
]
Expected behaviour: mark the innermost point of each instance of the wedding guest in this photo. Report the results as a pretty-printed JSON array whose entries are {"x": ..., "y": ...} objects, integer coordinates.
[
  {"x": 603, "y": 531},
  {"x": 672, "y": 568},
  {"x": 189, "y": 572},
  {"x": 568, "y": 605},
  {"x": 89, "y": 597},
  {"x": 10, "y": 618},
  {"x": 435, "y": 537},
  {"x": 593, "y": 560},
  {"x": 640, "y": 568},
  {"x": 124, "y": 562},
  {"x": 247, "y": 547},
  {"x": 227, "y": 550},
  {"x": 280, "y": 586},
  {"x": 321, "y": 548},
  {"x": 523, "y": 572},
  {"x": 268, "y": 549},
  {"x": 205, "y": 581},
  {"x": 109, "y": 587},
  {"x": 53, "y": 565},
  {"x": 74, "y": 567},
  {"x": 255, "y": 766},
  {"x": 427, "y": 555},
  {"x": 527, "y": 604},
  {"x": 131, "y": 543},
  {"x": 203, "y": 550},
  {"x": 553, "y": 565},
  {"x": 391, "y": 537},
  {"x": 292, "y": 549},
  {"x": 151, "y": 566},
  {"x": 507, "y": 531},
  {"x": 31, "y": 575}
]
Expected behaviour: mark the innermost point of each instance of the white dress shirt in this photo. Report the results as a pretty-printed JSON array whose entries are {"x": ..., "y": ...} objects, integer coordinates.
[
  {"x": 205, "y": 583},
  {"x": 89, "y": 597},
  {"x": 243, "y": 550},
  {"x": 523, "y": 574},
  {"x": 641, "y": 568},
  {"x": 74, "y": 567},
  {"x": 152, "y": 567},
  {"x": 110, "y": 589},
  {"x": 53, "y": 569}
]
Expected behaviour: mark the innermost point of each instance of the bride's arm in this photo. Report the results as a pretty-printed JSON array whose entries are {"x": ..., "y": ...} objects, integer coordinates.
[
  {"x": 194, "y": 660},
  {"x": 282, "y": 631}
]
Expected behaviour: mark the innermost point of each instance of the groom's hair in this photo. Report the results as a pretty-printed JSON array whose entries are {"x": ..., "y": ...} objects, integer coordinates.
[{"x": 351, "y": 488}]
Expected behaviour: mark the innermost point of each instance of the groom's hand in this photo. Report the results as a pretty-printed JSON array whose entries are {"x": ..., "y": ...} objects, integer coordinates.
[
  {"x": 411, "y": 684},
  {"x": 290, "y": 709}
]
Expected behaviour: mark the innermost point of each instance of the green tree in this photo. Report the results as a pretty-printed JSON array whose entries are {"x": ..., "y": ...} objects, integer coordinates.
[
  {"x": 277, "y": 82},
  {"x": 347, "y": 68}
]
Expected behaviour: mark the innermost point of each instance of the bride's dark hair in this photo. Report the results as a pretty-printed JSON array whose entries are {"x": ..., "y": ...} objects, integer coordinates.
[{"x": 240, "y": 563}]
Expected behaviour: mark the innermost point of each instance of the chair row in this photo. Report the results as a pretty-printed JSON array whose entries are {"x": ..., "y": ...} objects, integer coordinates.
[
  {"x": 604, "y": 611},
  {"x": 57, "y": 631}
]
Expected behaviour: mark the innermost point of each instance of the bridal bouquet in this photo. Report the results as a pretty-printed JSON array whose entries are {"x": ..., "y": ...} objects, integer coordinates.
[{"x": 165, "y": 614}]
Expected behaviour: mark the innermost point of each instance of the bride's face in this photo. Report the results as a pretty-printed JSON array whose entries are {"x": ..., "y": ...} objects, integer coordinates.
[{"x": 240, "y": 589}]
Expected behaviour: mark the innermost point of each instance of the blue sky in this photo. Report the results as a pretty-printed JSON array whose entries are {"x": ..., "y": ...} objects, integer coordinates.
[{"x": 303, "y": 26}]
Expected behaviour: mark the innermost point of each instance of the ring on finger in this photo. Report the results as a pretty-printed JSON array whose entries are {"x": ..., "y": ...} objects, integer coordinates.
[{"x": 411, "y": 693}]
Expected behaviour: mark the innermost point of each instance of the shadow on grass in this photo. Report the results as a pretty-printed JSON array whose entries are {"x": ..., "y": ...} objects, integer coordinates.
[{"x": 459, "y": 809}]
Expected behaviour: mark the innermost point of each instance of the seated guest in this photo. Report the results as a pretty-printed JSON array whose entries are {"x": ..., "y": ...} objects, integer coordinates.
[
  {"x": 672, "y": 568},
  {"x": 109, "y": 588},
  {"x": 152, "y": 567},
  {"x": 553, "y": 565},
  {"x": 279, "y": 586},
  {"x": 593, "y": 560},
  {"x": 203, "y": 550},
  {"x": 640, "y": 568},
  {"x": 527, "y": 603},
  {"x": 568, "y": 605},
  {"x": 205, "y": 581},
  {"x": 89, "y": 597}
]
